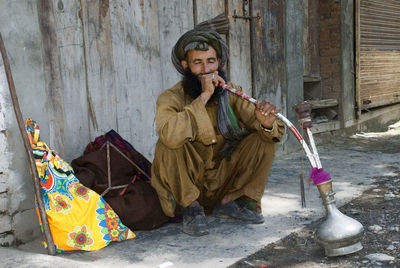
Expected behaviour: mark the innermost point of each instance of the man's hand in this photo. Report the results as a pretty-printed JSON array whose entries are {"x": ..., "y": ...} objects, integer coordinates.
[
  {"x": 208, "y": 83},
  {"x": 265, "y": 113}
]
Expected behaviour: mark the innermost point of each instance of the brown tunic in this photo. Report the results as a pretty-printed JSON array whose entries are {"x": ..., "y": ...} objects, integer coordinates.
[{"x": 186, "y": 167}]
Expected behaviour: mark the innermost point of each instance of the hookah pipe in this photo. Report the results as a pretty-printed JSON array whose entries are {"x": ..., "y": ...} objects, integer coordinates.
[
  {"x": 292, "y": 128},
  {"x": 338, "y": 234}
]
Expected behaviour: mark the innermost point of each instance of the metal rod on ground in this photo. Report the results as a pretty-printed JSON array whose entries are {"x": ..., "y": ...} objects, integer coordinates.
[{"x": 28, "y": 149}]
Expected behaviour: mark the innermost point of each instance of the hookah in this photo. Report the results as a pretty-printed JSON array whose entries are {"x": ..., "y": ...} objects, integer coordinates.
[{"x": 338, "y": 234}]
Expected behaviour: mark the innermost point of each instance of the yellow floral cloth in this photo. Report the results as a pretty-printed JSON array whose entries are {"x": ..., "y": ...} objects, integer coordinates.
[{"x": 79, "y": 218}]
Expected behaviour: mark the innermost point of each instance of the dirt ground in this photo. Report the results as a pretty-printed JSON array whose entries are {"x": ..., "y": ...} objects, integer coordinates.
[{"x": 378, "y": 209}]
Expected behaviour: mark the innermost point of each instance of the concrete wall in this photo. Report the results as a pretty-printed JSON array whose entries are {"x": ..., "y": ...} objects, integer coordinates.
[{"x": 20, "y": 33}]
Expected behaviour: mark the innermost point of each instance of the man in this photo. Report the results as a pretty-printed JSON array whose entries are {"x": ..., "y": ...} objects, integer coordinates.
[{"x": 214, "y": 150}]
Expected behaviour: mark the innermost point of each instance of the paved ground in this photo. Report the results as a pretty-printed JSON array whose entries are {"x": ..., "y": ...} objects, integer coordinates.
[
  {"x": 377, "y": 208},
  {"x": 355, "y": 164}
]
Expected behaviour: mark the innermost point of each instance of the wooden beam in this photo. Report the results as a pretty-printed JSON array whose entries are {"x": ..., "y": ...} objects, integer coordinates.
[
  {"x": 326, "y": 103},
  {"x": 28, "y": 149},
  {"x": 357, "y": 56}
]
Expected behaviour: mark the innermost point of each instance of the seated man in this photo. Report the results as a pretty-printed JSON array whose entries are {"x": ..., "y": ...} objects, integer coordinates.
[{"x": 214, "y": 150}]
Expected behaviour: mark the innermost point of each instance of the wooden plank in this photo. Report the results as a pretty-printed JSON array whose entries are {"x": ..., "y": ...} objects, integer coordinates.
[
  {"x": 208, "y": 9},
  {"x": 357, "y": 55},
  {"x": 52, "y": 75},
  {"x": 347, "y": 98},
  {"x": 325, "y": 127},
  {"x": 99, "y": 65},
  {"x": 136, "y": 54},
  {"x": 72, "y": 74},
  {"x": 239, "y": 48},
  {"x": 269, "y": 76},
  {"x": 326, "y": 103},
  {"x": 380, "y": 100},
  {"x": 311, "y": 39},
  {"x": 175, "y": 19}
]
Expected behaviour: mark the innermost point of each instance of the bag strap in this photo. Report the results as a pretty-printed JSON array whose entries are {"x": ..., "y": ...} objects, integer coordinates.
[{"x": 132, "y": 181}]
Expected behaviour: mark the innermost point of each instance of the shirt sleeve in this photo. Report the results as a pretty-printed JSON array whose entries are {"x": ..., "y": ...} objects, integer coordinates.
[
  {"x": 178, "y": 122},
  {"x": 244, "y": 110}
]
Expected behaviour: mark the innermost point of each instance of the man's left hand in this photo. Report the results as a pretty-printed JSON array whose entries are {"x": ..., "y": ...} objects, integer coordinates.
[{"x": 265, "y": 114}]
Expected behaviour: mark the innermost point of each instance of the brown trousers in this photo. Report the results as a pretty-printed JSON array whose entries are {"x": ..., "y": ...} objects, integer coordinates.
[{"x": 183, "y": 176}]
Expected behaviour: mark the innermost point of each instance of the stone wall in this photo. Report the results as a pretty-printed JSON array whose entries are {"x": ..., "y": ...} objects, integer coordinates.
[{"x": 6, "y": 233}]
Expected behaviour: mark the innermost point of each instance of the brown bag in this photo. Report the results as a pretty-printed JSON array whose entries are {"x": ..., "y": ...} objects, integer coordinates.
[{"x": 134, "y": 200}]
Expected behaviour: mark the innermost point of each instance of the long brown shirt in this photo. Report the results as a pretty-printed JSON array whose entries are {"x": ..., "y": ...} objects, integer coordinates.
[{"x": 181, "y": 119}]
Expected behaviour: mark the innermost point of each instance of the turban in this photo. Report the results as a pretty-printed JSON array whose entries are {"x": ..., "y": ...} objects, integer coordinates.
[{"x": 198, "y": 39}]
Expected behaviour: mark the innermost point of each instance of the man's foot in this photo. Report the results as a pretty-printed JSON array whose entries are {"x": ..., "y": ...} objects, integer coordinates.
[
  {"x": 194, "y": 221},
  {"x": 237, "y": 210}
]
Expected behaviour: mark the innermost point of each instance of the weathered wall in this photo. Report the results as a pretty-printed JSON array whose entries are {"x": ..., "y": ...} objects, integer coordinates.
[
  {"x": 6, "y": 234},
  {"x": 82, "y": 67},
  {"x": 20, "y": 34},
  {"x": 347, "y": 61},
  {"x": 329, "y": 48},
  {"x": 294, "y": 66}
]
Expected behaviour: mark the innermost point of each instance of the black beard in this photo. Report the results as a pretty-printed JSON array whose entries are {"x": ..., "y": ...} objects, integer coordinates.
[{"x": 192, "y": 84}]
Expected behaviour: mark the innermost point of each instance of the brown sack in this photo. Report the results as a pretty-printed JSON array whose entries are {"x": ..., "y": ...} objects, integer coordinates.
[{"x": 138, "y": 205}]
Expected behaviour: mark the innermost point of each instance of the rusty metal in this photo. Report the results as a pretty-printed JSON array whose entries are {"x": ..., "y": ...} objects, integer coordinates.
[
  {"x": 28, "y": 149},
  {"x": 378, "y": 52},
  {"x": 246, "y": 12},
  {"x": 235, "y": 16}
]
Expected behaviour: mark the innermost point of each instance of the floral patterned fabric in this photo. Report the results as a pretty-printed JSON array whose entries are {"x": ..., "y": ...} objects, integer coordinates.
[{"x": 79, "y": 218}]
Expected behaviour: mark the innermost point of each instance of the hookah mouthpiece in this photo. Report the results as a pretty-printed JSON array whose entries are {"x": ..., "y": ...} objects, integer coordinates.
[{"x": 303, "y": 109}]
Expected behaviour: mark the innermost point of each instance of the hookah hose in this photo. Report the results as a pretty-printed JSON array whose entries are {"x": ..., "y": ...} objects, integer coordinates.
[{"x": 289, "y": 124}]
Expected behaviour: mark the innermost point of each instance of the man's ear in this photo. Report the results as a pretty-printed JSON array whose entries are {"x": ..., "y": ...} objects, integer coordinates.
[
  {"x": 220, "y": 63},
  {"x": 184, "y": 64}
]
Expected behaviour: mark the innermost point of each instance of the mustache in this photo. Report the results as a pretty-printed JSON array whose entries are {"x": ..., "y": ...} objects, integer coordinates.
[
  {"x": 192, "y": 84},
  {"x": 203, "y": 74}
]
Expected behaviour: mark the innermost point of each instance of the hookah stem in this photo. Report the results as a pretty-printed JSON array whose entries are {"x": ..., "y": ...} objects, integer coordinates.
[
  {"x": 292, "y": 128},
  {"x": 314, "y": 148}
]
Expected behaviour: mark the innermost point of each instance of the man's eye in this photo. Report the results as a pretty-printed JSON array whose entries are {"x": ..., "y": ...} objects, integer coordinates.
[{"x": 211, "y": 61}]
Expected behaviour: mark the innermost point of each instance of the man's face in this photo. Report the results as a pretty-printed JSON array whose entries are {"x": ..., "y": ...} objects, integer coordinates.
[{"x": 201, "y": 62}]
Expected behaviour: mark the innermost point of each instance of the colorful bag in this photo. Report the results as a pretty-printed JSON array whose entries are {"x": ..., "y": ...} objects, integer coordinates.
[{"x": 79, "y": 218}]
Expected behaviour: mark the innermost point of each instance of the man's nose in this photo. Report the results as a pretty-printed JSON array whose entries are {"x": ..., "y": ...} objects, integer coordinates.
[{"x": 206, "y": 68}]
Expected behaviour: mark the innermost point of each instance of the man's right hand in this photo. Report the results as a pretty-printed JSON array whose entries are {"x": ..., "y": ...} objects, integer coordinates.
[{"x": 208, "y": 83}]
